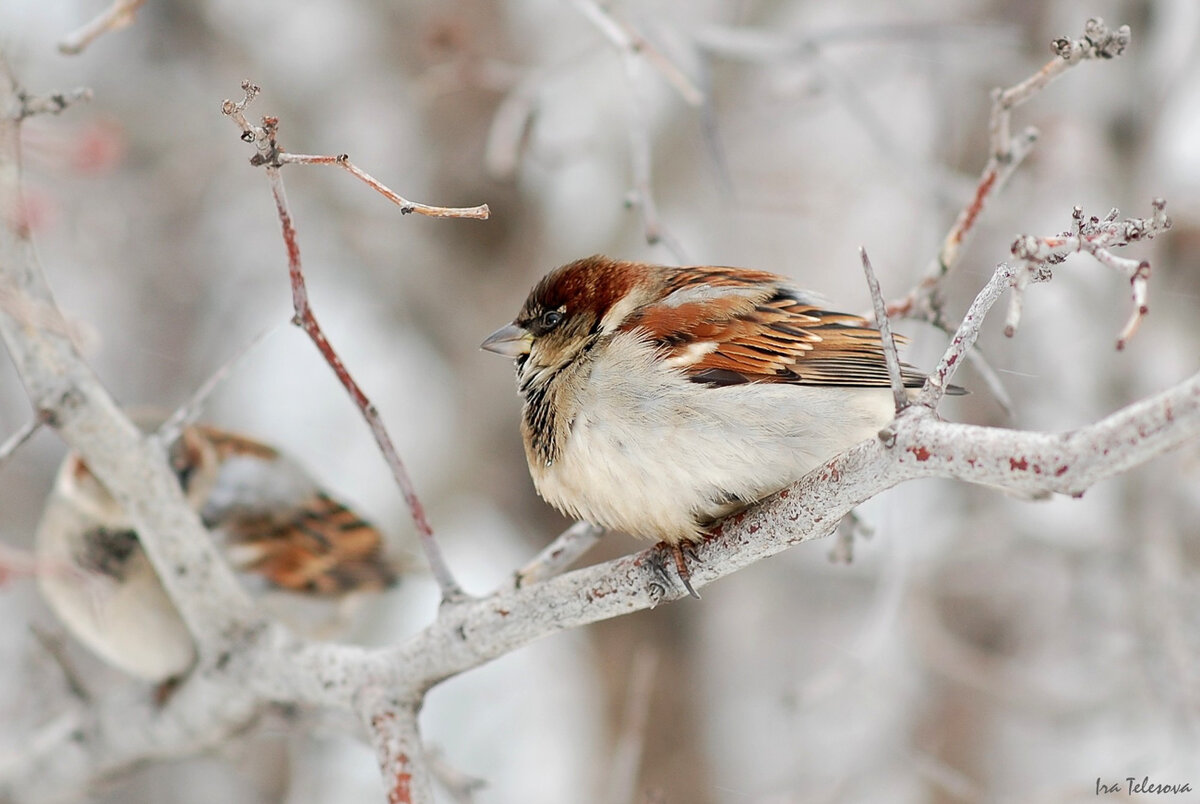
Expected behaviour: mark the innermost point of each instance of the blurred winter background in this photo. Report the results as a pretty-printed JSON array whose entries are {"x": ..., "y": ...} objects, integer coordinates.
[{"x": 977, "y": 647}]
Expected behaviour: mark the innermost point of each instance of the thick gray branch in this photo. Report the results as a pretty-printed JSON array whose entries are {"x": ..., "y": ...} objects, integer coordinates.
[{"x": 921, "y": 445}]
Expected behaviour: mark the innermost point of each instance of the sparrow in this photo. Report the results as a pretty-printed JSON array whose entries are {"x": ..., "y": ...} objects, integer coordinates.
[
  {"x": 659, "y": 400},
  {"x": 273, "y": 522}
]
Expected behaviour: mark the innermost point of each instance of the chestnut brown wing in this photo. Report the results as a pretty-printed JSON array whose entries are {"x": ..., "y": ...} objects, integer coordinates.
[
  {"x": 276, "y": 523},
  {"x": 320, "y": 547},
  {"x": 725, "y": 326}
]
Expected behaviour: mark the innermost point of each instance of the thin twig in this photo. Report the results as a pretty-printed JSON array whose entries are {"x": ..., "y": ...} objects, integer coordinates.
[
  {"x": 14, "y": 441},
  {"x": 40, "y": 314},
  {"x": 1096, "y": 236},
  {"x": 54, "y": 103},
  {"x": 633, "y": 50},
  {"x": 480, "y": 212},
  {"x": 264, "y": 139},
  {"x": 626, "y": 38},
  {"x": 992, "y": 380},
  {"x": 564, "y": 551},
  {"x": 968, "y": 332},
  {"x": 763, "y": 45},
  {"x": 120, "y": 14},
  {"x": 850, "y": 528},
  {"x": 510, "y": 127},
  {"x": 393, "y": 731},
  {"x": 460, "y": 786},
  {"x": 306, "y": 320},
  {"x": 641, "y": 194},
  {"x": 1006, "y": 152},
  {"x": 16, "y": 563},
  {"x": 631, "y": 741},
  {"x": 890, "y": 356},
  {"x": 189, "y": 411}
]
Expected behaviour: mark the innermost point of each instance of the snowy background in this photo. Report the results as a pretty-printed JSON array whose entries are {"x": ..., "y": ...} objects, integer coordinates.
[{"x": 978, "y": 646}]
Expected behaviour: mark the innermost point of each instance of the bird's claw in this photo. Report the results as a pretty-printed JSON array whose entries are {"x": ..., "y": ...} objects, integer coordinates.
[{"x": 679, "y": 553}]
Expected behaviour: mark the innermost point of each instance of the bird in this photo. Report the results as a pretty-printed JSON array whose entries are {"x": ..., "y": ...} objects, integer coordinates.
[
  {"x": 658, "y": 400},
  {"x": 275, "y": 524}
]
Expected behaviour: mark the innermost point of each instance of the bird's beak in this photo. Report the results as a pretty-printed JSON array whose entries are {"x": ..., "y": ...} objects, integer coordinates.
[{"x": 510, "y": 341}]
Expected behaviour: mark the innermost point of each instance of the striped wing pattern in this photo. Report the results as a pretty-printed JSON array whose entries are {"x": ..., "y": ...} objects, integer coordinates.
[{"x": 728, "y": 326}]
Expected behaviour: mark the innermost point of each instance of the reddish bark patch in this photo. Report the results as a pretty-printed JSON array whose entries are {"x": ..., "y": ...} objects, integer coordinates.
[
  {"x": 1021, "y": 464},
  {"x": 1060, "y": 471},
  {"x": 401, "y": 792},
  {"x": 920, "y": 453},
  {"x": 981, "y": 194}
]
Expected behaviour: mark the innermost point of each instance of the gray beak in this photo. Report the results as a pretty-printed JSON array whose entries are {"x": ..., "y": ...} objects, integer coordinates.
[{"x": 510, "y": 341}]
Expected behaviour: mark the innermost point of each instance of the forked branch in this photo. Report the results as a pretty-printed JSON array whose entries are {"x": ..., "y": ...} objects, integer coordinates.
[{"x": 271, "y": 157}]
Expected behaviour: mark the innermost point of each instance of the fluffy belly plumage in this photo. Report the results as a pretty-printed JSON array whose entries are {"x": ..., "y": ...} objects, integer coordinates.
[{"x": 652, "y": 461}]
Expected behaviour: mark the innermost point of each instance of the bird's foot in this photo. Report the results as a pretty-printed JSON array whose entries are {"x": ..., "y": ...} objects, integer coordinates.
[{"x": 679, "y": 552}]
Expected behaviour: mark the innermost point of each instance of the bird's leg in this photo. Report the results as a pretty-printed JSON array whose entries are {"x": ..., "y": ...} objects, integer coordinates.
[{"x": 680, "y": 552}]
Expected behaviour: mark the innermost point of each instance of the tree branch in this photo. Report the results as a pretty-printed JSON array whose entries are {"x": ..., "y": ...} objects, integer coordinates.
[
  {"x": 1005, "y": 153},
  {"x": 120, "y": 14},
  {"x": 480, "y": 212},
  {"x": 565, "y": 550},
  {"x": 890, "y": 356},
  {"x": 271, "y": 157}
]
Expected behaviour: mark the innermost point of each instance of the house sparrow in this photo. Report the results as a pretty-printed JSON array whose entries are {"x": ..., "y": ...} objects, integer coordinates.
[
  {"x": 270, "y": 517},
  {"x": 659, "y": 400}
]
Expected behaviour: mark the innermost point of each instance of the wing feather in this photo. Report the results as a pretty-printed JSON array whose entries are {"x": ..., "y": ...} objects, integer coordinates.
[{"x": 726, "y": 325}]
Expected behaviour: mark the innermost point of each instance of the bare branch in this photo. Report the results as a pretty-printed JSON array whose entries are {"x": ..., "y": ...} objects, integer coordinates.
[
  {"x": 72, "y": 399},
  {"x": 189, "y": 411},
  {"x": 631, "y": 741},
  {"x": 964, "y": 339},
  {"x": 761, "y": 45},
  {"x": 1096, "y": 237},
  {"x": 921, "y": 446},
  {"x": 1006, "y": 152},
  {"x": 393, "y": 730},
  {"x": 460, "y": 786},
  {"x": 480, "y": 212},
  {"x": 120, "y": 14},
  {"x": 991, "y": 380},
  {"x": 23, "y": 434},
  {"x": 54, "y": 103},
  {"x": 37, "y": 313},
  {"x": 635, "y": 52},
  {"x": 850, "y": 528},
  {"x": 890, "y": 356},
  {"x": 641, "y": 195},
  {"x": 564, "y": 551},
  {"x": 264, "y": 139},
  {"x": 625, "y": 38},
  {"x": 15, "y": 563},
  {"x": 509, "y": 130}
]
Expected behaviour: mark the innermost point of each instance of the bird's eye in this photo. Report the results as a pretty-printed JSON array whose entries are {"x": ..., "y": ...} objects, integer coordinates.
[{"x": 551, "y": 319}]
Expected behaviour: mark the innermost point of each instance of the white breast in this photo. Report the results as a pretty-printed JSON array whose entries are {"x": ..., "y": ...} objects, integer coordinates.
[{"x": 653, "y": 454}]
